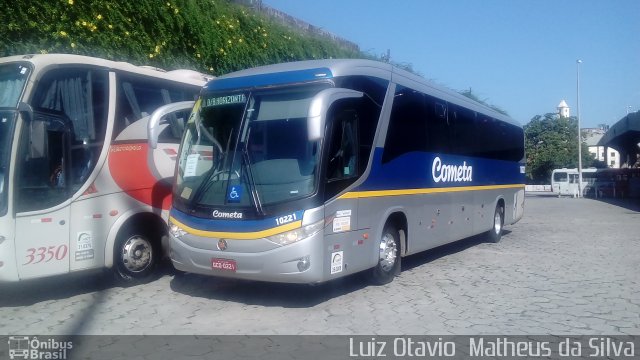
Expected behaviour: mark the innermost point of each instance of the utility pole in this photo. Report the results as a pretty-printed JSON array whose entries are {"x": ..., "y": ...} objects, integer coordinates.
[{"x": 578, "y": 62}]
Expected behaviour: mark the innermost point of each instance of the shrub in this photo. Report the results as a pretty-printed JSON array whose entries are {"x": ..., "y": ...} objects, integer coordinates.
[{"x": 212, "y": 36}]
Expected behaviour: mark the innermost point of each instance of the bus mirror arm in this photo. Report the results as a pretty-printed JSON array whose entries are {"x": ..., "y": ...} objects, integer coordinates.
[
  {"x": 153, "y": 128},
  {"x": 320, "y": 104},
  {"x": 26, "y": 110}
]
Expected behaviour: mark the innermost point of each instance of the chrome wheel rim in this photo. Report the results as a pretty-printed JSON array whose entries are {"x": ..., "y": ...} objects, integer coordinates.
[
  {"x": 137, "y": 254},
  {"x": 497, "y": 222},
  {"x": 388, "y": 252}
]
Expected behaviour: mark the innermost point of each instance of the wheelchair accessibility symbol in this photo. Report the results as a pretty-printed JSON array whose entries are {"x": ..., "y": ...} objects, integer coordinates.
[{"x": 235, "y": 194}]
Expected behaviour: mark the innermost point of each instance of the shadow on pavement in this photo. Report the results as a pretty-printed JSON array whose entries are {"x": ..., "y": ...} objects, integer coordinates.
[
  {"x": 632, "y": 204},
  {"x": 428, "y": 256},
  {"x": 299, "y": 295},
  {"x": 263, "y": 293},
  {"x": 629, "y": 203},
  {"x": 30, "y": 292}
]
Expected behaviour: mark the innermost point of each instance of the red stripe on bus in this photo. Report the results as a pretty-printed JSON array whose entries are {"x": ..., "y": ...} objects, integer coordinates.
[{"x": 130, "y": 170}]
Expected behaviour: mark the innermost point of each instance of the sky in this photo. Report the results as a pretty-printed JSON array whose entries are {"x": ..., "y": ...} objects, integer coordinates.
[{"x": 519, "y": 55}]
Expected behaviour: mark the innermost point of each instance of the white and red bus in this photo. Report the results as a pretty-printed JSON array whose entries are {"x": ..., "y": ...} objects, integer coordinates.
[{"x": 79, "y": 187}]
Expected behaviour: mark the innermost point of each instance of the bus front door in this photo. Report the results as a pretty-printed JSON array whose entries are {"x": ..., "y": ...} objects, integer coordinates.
[
  {"x": 572, "y": 186},
  {"x": 42, "y": 199},
  {"x": 560, "y": 183}
]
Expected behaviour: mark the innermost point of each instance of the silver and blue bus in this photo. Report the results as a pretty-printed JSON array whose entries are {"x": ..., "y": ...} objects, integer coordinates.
[{"x": 308, "y": 171}]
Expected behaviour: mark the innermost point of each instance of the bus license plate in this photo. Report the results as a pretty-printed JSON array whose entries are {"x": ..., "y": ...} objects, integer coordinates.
[{"x": 223, "y": 264}]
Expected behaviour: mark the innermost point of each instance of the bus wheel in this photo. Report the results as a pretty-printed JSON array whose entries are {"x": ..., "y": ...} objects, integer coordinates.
[
  {"x": 389, "y": 257},
  {"x": 136, "y": 256},
  {"x": 495, "y": 234}
]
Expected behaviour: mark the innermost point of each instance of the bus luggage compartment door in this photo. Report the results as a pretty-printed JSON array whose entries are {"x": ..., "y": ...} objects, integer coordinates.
[{"x": 42, "y": 243}]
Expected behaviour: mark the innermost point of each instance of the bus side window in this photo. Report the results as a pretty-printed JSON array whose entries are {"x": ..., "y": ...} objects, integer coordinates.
[
  {"x": 44, "y": 172},
  {"x": 342, "y": 154},
  {"x": 351, "y": 128},
  {"x": 368, "y": 109},
  {"x": 139, "y": 97},
  {"x": 344, "y": 148},
  {"x": 64, "y": 140},
  {"x": 573, "y": 178},
  {"x": 560, "y": 177},
  {"x": 464, "y": 134},
  {"x": 407, "y": 131}
]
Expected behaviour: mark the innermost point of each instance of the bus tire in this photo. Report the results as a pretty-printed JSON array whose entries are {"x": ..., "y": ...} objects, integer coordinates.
[
  {"x": 136, "y": 255},
  {"x": 495, "y": 234},
  {"x": 389, "y": 259}
]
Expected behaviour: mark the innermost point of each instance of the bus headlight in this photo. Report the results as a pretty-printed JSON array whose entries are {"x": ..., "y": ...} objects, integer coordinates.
[
  {"x": 292, "y": 236},
  {"x": 175, "y": 230}
]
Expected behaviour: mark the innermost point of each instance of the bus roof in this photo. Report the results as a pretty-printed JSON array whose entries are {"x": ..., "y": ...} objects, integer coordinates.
[
  {"x": 46, "y": 60},
  {"x": 310, "y": 70}
]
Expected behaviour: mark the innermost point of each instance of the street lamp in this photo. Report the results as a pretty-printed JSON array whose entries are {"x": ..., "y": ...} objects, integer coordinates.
[{"x": 578, "y": 62}]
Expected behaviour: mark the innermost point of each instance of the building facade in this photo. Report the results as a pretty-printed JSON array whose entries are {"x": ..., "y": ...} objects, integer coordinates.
[
  {"x": 591, "y": 136},
  {"x": 605, "y": 154}
]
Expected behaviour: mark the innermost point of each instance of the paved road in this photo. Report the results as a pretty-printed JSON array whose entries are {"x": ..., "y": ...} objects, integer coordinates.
[{"x": 569, "y": 267}]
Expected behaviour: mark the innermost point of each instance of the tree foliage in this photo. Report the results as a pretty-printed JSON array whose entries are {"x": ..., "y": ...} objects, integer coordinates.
[
  {"x": 551, "y": 143},
  {"x": 212, "y": 36}
]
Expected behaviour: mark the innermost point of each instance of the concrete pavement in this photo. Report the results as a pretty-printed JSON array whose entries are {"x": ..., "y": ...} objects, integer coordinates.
[{"x": 569, "y": 267}]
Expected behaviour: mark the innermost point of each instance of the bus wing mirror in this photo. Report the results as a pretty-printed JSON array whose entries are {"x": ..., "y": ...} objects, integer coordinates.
[
  {"x": 320, "y": 104},
  {"x": 26, "y": 110},
  {"x": 153, "y": 128}
]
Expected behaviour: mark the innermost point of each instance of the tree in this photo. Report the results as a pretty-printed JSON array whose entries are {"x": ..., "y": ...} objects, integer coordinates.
[
  {"x": 551, "y": 143},
  {"x": 209, "y": 36}
]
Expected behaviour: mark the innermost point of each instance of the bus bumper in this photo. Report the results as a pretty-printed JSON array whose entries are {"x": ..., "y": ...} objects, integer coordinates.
[{"x": 300, "y": 262}]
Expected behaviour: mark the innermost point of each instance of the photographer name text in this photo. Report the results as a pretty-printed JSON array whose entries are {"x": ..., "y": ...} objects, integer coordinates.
[{"x": 585, "y": 347}]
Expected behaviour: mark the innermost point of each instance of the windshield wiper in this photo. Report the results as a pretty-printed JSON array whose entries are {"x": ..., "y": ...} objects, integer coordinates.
[
  {"x": 216, "y": 171},
  {"x": 205, "y": 185},
  {"x": 246, "y": 160}
]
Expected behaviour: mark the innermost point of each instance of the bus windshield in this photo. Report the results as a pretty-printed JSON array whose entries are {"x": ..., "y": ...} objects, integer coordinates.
[
  {"x": 248, "y": 149},
  {"x": 13, "y": 78}
]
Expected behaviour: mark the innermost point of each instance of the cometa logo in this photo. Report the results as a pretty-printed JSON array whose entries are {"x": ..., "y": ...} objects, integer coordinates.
[
  {"x": 226, "y": 215},
  {"x": 451, "y": 173}
]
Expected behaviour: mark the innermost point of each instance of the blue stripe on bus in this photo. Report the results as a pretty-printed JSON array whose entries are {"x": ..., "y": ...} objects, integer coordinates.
[
  {"x": 408, "y": 171},
  {"x": 413, "y": 171},
  {"x": 240, "y": 225},
  {"x": 270, "y": 79}
]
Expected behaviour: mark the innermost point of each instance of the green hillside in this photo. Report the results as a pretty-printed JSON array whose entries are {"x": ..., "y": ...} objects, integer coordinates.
[{"x": 212, "y": 36}]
